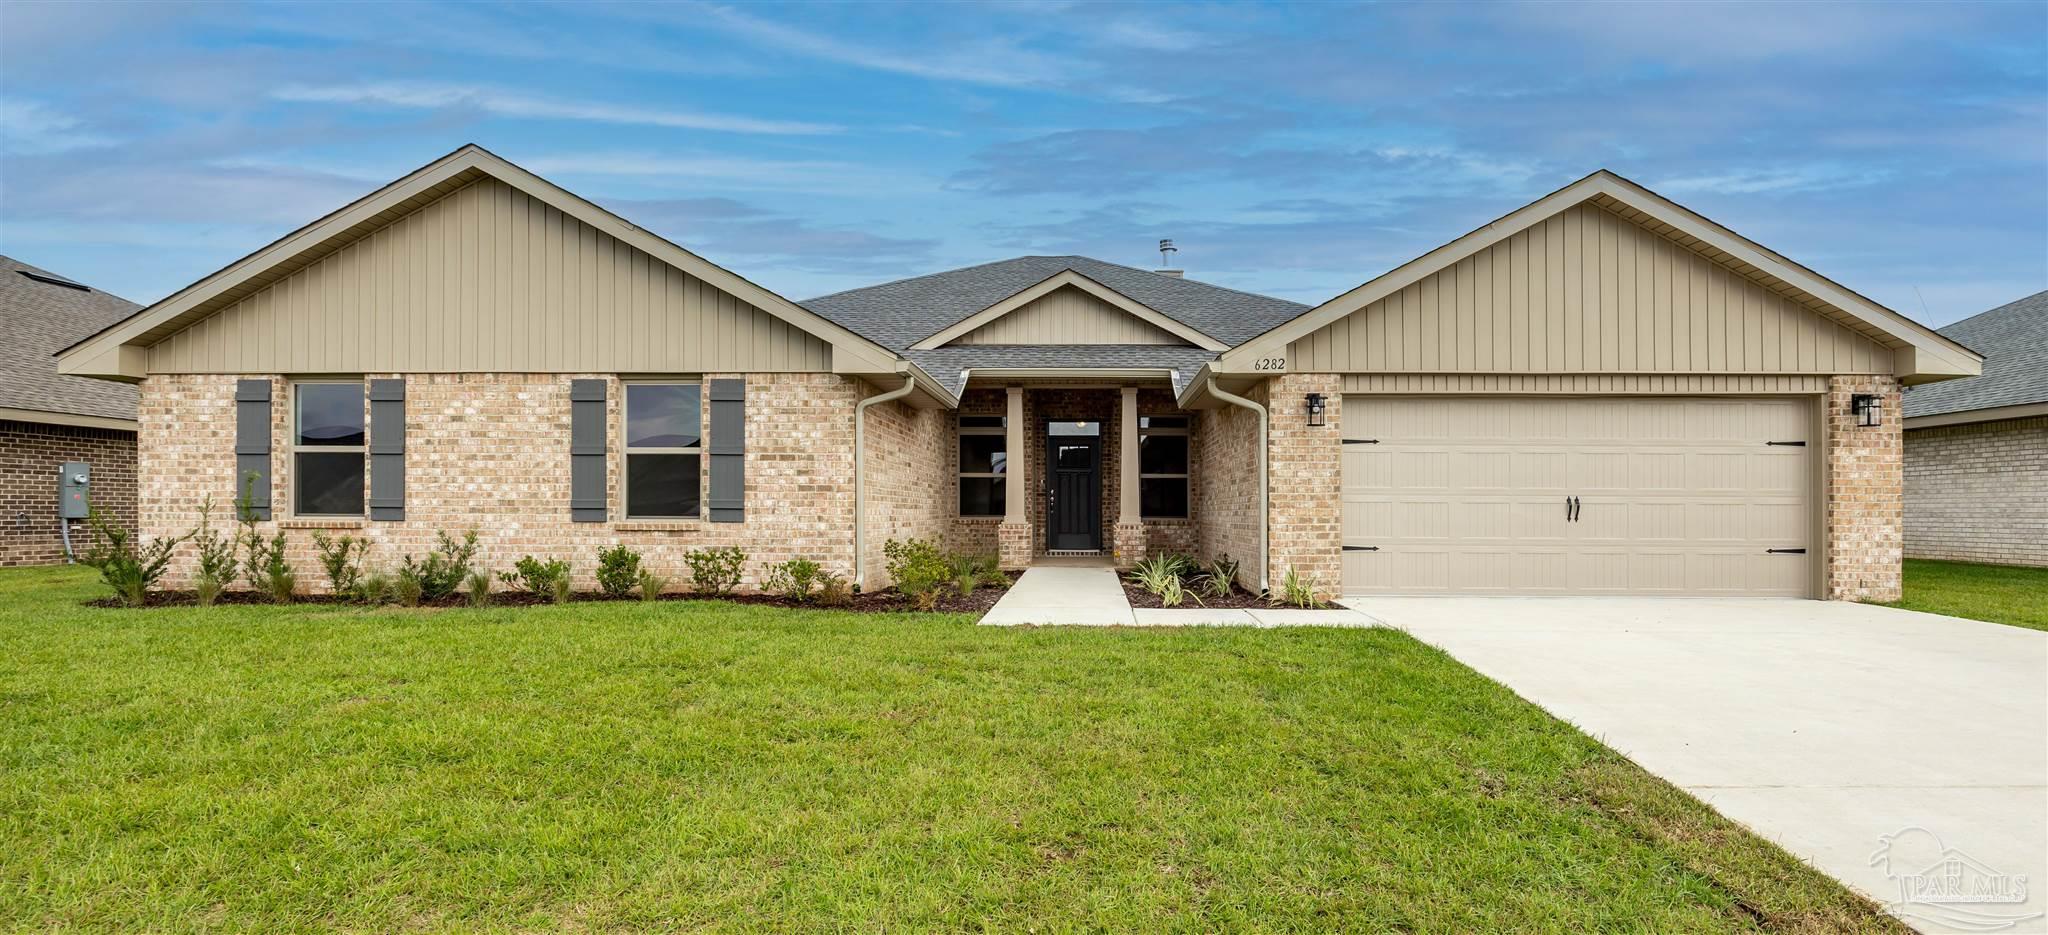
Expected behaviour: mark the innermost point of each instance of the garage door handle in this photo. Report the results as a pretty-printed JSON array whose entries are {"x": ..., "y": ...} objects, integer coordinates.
[
  {"x": 1361, "y": 548},
  {"x": 1784, "y": 551}
]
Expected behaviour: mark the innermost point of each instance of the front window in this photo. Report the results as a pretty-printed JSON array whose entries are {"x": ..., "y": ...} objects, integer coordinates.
[
  {"x": 663, "y": 449},
  {"x": 984, "y": 464},
  {"x": 1163, "y": 467},
  {"x": 328, "y": 455}
]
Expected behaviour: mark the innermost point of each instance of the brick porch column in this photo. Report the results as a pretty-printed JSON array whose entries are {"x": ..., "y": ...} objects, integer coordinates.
[
  {"x": 1013, "y": 537},
  {"x": 1129, "y": 535},
  {"x": 1865, "y": 491}
]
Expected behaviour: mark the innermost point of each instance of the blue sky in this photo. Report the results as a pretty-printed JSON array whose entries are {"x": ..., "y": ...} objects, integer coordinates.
[{"x": 1901, "y": 149}]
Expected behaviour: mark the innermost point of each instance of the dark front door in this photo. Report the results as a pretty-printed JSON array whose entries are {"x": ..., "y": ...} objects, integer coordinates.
[{"x": 1073, "y": 508}]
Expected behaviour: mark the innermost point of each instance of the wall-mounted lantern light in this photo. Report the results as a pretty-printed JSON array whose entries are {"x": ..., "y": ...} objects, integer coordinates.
[
  {"x": 1868, "y": 410},
  {"x": 1315, "y": 409}
]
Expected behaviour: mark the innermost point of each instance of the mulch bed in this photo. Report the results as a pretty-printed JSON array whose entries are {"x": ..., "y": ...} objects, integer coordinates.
[
  {"x": 886, "y": 601},
  {"x": 1237, "y": 599}
]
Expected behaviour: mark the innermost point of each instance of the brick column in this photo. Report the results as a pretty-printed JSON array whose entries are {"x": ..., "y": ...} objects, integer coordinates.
[
  {"x": 1013, "y": 538},
  {"x": 1864, "y": 491},
  {"x": 1129, "y": 534},
  {"x": 1306, "y": 518}
]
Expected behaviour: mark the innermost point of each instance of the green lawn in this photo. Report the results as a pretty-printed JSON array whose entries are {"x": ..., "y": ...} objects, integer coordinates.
[
  {"x": 697, "y": 765},
  {"x": 1998, "y": 593}
]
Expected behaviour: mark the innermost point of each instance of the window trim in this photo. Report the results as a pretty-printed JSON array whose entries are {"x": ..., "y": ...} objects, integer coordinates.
[
  {"x": 295, "y": 449},
  {"x": 626, "y": 448},
  {"x": 1184, "y": 430},
  {"x": 1001, "y": 430}
]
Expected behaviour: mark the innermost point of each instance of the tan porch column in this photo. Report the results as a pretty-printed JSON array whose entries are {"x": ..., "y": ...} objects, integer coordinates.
[
  {"x": 1130, "y": 530},
  {"x": 1013, "y": 538}
]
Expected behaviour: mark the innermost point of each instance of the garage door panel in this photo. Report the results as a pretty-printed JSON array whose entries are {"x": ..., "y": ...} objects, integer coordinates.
[{"x": 1677, "y": 495}]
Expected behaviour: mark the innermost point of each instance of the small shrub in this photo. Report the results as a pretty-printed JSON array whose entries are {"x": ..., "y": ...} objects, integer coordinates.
[
  {"x": 479, "y": 588},
  {"x": 266, "y": 568},
  {"x": 973, "y": 571},
  {"x": 919, "y": 568},
  {"x": 375, "y": 588},
  {"x": 129, "y": 570},
  {"x": 618, "y": 570},
  {"x": 342, "y": 559},
  {"x": 651, "y": 585},
  {"x": 408, "y": 589},
  {"x": 715, "y": 572},
  {"x": 794, "y": 579},
  {"x": 550, "y": 579},
  {"x": 1221, "y": 576},
  {"x": 444, "y": 569},
  {"x": 1160, "y": 576},
  {"x": 833, "y": 590},
  {"x": 1300, "y": 591},
  {"x": 218, "y": 557}
]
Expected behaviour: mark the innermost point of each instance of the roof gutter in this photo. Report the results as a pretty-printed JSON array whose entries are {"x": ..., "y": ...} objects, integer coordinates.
[
  {"x": 1265, "y": 508},
  {"x": 860, "y": 490}
]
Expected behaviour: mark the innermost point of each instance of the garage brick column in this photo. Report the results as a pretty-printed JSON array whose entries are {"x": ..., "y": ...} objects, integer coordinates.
[
  {"x": 1129, "y": 534},
  {"x": 1306, "y": 512},
  {"x": 1864, "y": 489},
  {"x": 1013, "y": 538}
]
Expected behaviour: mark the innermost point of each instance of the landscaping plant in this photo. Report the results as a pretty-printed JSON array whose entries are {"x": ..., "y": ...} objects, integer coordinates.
[
  {"x": 129, "y": 570},
  {"x": 218, "y": 559},
  {"x": 794, "y": 579},
  {"x": 479, "y": 589},
  {"x": 618, "y": 570},
  {"x": 1300, "y": 591},
  {"x": 408, "y": 589},
  {"x": 833, "y": 591},
  {"x": 651, "y": 585},
  {"x": 715, "y": 572},
  {"x": 918, "y": 568},
  {"x": 342, "y": 559},
  {"x": 444, "y": 569},
  {"x": 971, "y": 571},
  {"x": 1160, "y": 576},
  {"x": 550, "y": 578},
  {"x": 375, "y": 588},
  {"x": 1221, "y": 576},
  {"x": 266, "y": 568}
]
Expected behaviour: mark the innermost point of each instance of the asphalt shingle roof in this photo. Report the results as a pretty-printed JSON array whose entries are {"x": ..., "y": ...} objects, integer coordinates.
[
  {"x": 38, "y": 319},
  {"x": 901, "y": 313},
  {"x": 2014, "y": 341},
  {"x": 947, "y": 364}
]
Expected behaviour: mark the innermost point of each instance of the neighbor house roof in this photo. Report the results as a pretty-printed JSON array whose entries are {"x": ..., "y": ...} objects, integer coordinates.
[
  {"x": 902, "y": 313},
  {"x": 40, "y": 313},
  {"x": 2014, "y": 341},
  {"x": 949, "y": 365}
]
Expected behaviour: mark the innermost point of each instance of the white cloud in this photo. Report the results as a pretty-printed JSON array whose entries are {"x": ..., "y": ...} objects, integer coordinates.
[
  {"x": 426, "y": 96},
  {"x": 698, "y": 172},
  {"x": 992, "y": 61},
  {"x": 1780, "y": 180},
  {"x": 30, "y": 127}
]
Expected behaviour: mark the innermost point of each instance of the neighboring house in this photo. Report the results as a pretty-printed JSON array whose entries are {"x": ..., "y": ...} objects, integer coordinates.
[
  {"x": 1600, "y": 392},
  {"x": 1977, "y": 449},
  {"x": 47, "y": 419}
]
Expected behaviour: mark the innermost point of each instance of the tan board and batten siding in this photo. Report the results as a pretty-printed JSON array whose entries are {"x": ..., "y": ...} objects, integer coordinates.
[
  {"x": 488, "y": 278},
  {"x": 1069, "y": 316},
  {"x": 1587, "y": 291}
]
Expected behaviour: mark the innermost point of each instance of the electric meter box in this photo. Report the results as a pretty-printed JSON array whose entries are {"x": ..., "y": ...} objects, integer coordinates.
[{"x": 74, "y": 490}]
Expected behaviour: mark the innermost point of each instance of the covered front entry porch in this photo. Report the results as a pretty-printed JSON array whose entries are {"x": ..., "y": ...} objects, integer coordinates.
[{"x": 1072, "y": 469}]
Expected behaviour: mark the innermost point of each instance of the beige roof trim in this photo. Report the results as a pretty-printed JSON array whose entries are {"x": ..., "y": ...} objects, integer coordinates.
[
  {"x": 1970, "y": 416},
  {"x": 96, "y": 356},
  {"x": 66, "y": 418},
  {"x": 1922, "y": 353},
  {"x": 1061, "y": 280}
]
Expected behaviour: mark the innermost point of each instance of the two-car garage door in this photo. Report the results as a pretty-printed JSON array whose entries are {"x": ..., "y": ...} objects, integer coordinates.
[{"x": 1571, "y": 495}]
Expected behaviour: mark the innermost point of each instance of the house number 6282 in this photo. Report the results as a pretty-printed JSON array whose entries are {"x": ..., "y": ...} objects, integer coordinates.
[{"x": 1270, "y": 363}]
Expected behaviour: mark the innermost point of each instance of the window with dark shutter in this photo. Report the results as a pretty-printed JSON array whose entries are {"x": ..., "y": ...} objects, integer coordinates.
[
  {"x": 664, "y": 450},
  {"x": 587, "y": 454}
]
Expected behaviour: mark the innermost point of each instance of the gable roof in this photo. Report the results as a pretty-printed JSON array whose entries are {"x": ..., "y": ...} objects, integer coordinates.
[
  {"x": 1069, "y": 279},
  {"x": 116, "y": 350},
  {"x": 950, "y": 365},
  {"x": 903, "y": 313},
  {"x": 37, "y": 317},
  {"x": 2014, "y": 341},
  {"x": 1920, "y": 353}
]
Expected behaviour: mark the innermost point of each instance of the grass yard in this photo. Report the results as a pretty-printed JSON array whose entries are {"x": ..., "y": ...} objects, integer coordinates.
[
  {"x": 1998, "y": 593},
  {"x": 705, "y": 765}
]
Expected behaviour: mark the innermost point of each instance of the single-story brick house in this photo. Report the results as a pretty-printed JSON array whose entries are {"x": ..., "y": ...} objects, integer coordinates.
[
  {"x": 1977, "y": 449},
  {"x": 1600, "y": 392},
  {"x": 48, "y": 419}
]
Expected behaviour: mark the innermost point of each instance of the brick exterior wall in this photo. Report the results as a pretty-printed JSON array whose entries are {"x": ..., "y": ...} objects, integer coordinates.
[
  {"x": 1863, "y": 491},
  {"x": 1228, "y": 523},
  {"x": 491, "y": 452},
  {"x": 910, "y": 490},
  {"x": 1307, "y": 525},
  {"x": 30, "y": 453},
  {"x": 1979, "y": 492}
]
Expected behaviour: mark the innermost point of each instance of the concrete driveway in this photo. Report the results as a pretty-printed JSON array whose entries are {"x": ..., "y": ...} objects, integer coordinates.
[{"x": 1875, "y": 743}]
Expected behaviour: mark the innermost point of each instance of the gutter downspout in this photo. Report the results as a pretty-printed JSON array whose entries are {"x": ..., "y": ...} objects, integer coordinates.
[
  {"x": 860, "y": 488},
  {"x": 1265, "y": 508}
]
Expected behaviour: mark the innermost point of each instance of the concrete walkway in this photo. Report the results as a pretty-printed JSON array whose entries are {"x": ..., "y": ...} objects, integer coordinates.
[
  {"x": 1094, "y": 597},
  {"x": 1876, "y": 743}
]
